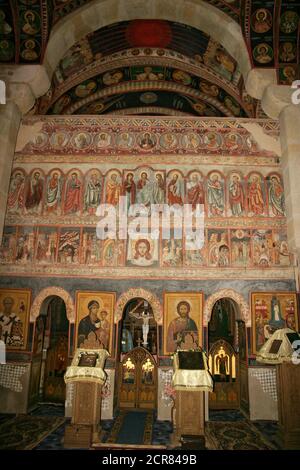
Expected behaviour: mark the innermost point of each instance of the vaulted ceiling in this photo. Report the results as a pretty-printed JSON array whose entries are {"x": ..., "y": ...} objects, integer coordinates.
[
  {"x": 148, "y": 67},
  {"x": 152, "y": 66}
]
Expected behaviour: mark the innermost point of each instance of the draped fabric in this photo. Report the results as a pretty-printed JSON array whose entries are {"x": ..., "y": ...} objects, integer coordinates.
[
  {"x": 192, "y": 380},
  {"x": 95, "y": 374}
]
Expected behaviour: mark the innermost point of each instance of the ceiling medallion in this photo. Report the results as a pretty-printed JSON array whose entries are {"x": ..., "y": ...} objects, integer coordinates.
[{"x": 148, "y": 97}]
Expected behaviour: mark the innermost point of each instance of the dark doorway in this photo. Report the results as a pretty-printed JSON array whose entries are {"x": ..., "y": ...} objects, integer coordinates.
[
  {"x": 55, "y": 351},
  {"x": 222, "y": 322},
  {"x": 223, "y": 355}
]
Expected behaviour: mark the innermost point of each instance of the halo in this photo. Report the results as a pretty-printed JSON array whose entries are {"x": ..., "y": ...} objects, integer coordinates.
[
  {"x": 261, "y": 10},
  {"x": 147, "y": 171},
  {"x": 86, "y": 301},
  {"x": 180, "y": 301},
  {"x": 173, "y": 173},
  {"x": 113, "y": 172}
]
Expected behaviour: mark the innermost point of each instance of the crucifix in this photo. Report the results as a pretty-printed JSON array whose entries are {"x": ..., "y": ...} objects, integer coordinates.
[{"x": 144, "y": 315}]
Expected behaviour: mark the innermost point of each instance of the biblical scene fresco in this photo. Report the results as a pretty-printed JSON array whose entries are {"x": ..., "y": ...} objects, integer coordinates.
[
  {"x": 63, "y": 173},
  {"x": 62, "y": 203},
  {"x": 271, "y": 311}
]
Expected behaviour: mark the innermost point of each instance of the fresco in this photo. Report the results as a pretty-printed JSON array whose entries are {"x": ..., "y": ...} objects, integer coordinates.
[
  {"x": 95, "y": 140},
  {"x": 79, "y": 192},
  {"x": 191, "y": 100},
  {"x": 62, "y": 173},
  {"x": 271, "y": 311}
]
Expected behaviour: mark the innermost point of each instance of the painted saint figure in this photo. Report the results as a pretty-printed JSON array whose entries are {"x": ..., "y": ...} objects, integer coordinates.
[
  {"x": 11, "y": 327},
  {"x": 89, "y": 323},
  {"x": 159, "y": 189},
  {"x": 236, "y": 196},
  {"x": 261, "y": 20},
  {"x": 72, "y": 201},
  {"x": 53, "y": 193},
  {"x": 129, "y": 190},
  {"x": 195, "y": 191},
  {"x": 222, "y": 364},
  {"x": 34, "y": 192},
  {"x": 147, "y": 142},
  {"x": 276, "y": 321},
  {"x": 113, "y": 190},
  {"x": 92, "y": 194},
  {"x": 276, "y": 196},
  {"x": 126, "y": 341},
  {"x": 255, "y": 196},
  {"x": 215, "y": 195},
  {"x": 144, "y": 190},
  {"x": 180, "y": 327},
  {"x": 15, "y": 201},
  {"x": 175, "y": 190},
  {"x": 102, "y": 333}
]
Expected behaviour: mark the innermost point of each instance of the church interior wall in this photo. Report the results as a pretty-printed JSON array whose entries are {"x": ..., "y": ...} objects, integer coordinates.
[{"x": 49, "y": 235}]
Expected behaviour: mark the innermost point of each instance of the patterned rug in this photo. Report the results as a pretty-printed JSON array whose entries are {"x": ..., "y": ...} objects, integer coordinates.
[
  {"x": 132, "y": 427},
  {"x": 241, "y": 435},
  {"x": 24, "y": 432}
]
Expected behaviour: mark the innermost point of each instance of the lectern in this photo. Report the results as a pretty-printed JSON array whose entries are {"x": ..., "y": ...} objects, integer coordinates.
[
  {"x": 87, "y": 374},
  {"x": 191, "y": 379}
]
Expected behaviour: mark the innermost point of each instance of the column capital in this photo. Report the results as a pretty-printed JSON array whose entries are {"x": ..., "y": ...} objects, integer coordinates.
[
  {"x": 24, "y": 84},
  {"x": 276, "y": 98},
  {"x": 262, "y": 85},
  {"x": 258, "y": 80}
]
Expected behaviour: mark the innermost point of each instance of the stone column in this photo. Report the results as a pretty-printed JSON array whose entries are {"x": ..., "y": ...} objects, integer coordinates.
[
  {"x": 23, "y": 85},
  {"x": 10, "y": 117},
  {"x": 277, "y": 103},
  {"x": 290, "y": 143}
]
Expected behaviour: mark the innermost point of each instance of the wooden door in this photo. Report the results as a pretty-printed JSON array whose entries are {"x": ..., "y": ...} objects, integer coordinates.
[{"x": 138, "y": 380}]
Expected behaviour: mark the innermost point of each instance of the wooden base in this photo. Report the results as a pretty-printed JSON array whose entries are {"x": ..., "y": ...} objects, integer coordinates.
[
  {"x": 288, "y": 389},
  {"x": 189, "y": 413},
  {"x": 78, "y": 436},
  {"x": 189, "y": 442},
  {"x": 86, "y": 415}
]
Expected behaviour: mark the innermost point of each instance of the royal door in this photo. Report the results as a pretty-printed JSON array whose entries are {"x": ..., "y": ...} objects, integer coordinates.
[{"x": 138, "y": 380}]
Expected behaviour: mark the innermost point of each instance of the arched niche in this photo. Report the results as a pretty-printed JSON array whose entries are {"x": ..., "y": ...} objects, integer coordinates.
[
  {"x": 243, "y": 312},
  {"x": 47, "y": 294},
  {"x": 138, "y": 293}
]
